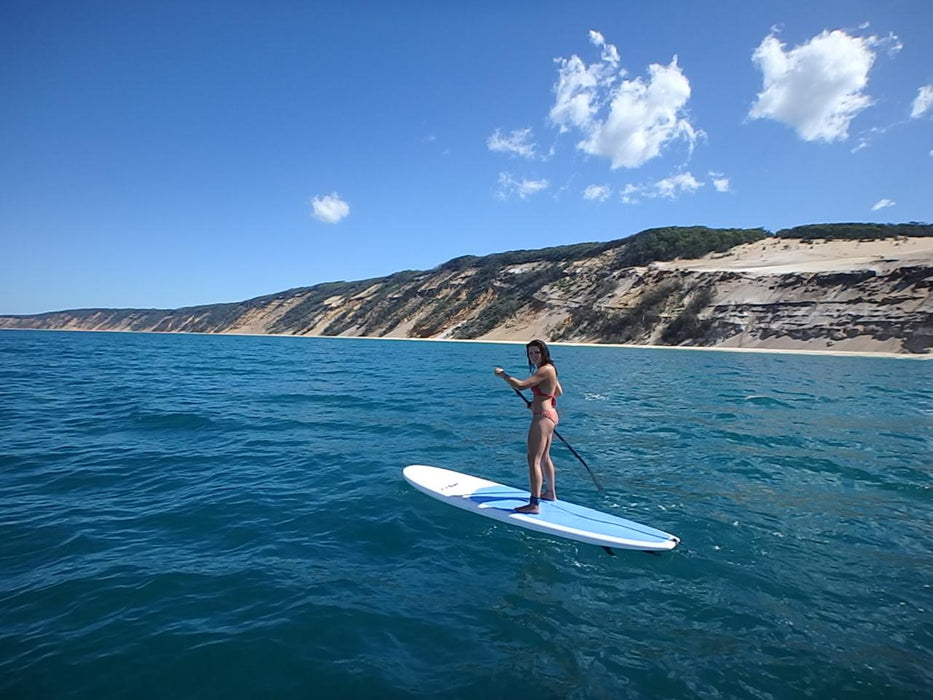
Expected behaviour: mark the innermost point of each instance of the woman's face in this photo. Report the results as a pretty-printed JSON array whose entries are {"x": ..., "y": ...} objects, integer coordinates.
[{"x": 534, "y": 355}]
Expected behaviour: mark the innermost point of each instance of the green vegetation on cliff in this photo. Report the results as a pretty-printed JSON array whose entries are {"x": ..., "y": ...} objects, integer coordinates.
[
  {"x": 306, "y": 312},
  {"x": 507, "y": 293},
  {"x": 861, "y": 232},
  {"x": 627, "y": 325},
  {"x": 512, "y": 294},
  {"x": 563, "y": 253},
  {"x": 639, "y": 249},
  {"x": 687, "y": 325},
  {"x": 658, "y": 244}
]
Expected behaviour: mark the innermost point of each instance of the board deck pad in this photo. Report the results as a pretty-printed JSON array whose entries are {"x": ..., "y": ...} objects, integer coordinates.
[{"x": 558, "y": 518}]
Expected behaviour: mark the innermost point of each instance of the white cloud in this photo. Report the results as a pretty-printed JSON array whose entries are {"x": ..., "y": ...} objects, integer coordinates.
[
  {"x": 818, "y": 87},
  {"x": 865, "y": 138},
  {"x": 598, "y": 192},
  {"x": 519, "y": 142},
  {"x": 668, "y": 188},
  {"x": 627, "y": 121},
  {"x": 509, "y": 186},
  {"x": 675, "y": 185},
  {"x": 883, "y": 204},
  {"x": 608, "y": 54},
  {"x": 720, "y": 181},
  {"x": 330, "y": 208},
  {"x": 922, "y": 102},
  {"x": 891, "y": 41},
  {"x": 630, "y": 194}
]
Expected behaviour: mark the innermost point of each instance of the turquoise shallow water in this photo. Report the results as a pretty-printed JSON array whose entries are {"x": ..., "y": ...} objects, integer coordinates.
[{"x": 202, "y": 516}]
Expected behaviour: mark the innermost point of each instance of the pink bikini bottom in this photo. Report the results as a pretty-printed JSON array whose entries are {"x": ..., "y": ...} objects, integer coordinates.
[{"x": 548, "y": 413}]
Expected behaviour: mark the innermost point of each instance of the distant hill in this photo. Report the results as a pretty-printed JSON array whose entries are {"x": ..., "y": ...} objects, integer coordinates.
[{"x": 686, "y": 286}]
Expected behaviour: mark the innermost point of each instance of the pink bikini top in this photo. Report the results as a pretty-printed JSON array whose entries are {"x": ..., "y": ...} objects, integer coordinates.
[{"x": 537, "y": 392}]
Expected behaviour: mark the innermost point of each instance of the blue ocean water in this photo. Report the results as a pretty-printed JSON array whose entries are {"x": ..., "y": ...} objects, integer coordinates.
[{"x": 215, "y": 516}]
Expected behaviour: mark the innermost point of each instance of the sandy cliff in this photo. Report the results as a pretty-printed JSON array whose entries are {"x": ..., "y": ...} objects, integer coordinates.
[{"x": 843, "y": 295}]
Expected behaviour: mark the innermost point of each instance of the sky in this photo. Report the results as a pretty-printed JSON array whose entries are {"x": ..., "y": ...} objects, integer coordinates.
[{"x": 171, "y": 154}]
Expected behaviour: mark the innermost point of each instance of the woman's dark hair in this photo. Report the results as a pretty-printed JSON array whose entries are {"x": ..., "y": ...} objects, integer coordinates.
[{"x": 545, "y": 354}]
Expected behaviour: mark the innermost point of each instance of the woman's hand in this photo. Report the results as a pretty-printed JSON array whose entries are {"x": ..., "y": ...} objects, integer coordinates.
[{"x": 499, "y": 372}]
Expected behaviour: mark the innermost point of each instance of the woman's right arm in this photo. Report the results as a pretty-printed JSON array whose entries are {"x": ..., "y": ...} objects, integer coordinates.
[{"x": 533, "y": 380}]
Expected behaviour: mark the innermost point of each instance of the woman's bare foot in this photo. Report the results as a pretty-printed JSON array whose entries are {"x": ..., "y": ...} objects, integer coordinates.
[
  {"x": 548, "y": 496},
  {"x": 529, "y": 508}
]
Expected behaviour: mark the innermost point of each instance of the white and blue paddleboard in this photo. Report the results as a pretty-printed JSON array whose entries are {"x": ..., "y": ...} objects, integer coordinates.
[{"x": 558, "y": 518}]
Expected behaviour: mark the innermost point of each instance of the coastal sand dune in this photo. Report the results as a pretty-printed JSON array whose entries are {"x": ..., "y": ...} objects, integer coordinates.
[
  {"x": 781, "y": 256},
  {"x": 778, "y": 298}
]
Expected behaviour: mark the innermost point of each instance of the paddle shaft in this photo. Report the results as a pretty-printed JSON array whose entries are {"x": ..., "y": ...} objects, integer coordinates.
[{"x": 569, "y": 446}]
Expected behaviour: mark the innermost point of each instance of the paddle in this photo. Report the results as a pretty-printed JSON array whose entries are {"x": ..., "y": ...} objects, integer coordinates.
[{"x": 569, "y": 446}]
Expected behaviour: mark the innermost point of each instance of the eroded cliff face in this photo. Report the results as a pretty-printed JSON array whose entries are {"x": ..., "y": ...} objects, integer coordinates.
[
  {"x": 869, "y": 305},
  {"x": 861, "y": 310}
]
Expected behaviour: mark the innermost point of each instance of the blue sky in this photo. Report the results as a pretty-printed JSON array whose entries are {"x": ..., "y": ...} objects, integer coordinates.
[{"x": 159, "y": 155}]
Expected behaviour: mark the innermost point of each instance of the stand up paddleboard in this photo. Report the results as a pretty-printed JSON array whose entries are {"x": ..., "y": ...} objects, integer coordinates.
[{"x": 559, "y": 518}]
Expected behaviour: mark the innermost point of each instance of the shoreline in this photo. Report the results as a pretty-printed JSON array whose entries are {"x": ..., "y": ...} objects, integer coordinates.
[{"x": 628, "y": 346}]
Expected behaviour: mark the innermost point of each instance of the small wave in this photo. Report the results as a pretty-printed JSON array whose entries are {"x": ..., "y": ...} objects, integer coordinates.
[
  {"x": 291, "y": 398},
  {"x": 761, "y": 400},
  {"x": 172, "y": 420}
]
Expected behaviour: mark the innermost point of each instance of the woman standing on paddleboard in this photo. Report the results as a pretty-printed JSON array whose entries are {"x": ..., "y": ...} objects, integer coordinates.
[{"x": 546, "y": 388}]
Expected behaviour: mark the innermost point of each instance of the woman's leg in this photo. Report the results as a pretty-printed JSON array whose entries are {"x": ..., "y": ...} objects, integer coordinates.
[
  {"x": 547, "y": 466},
  {"x": 538, "y": 433}
]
